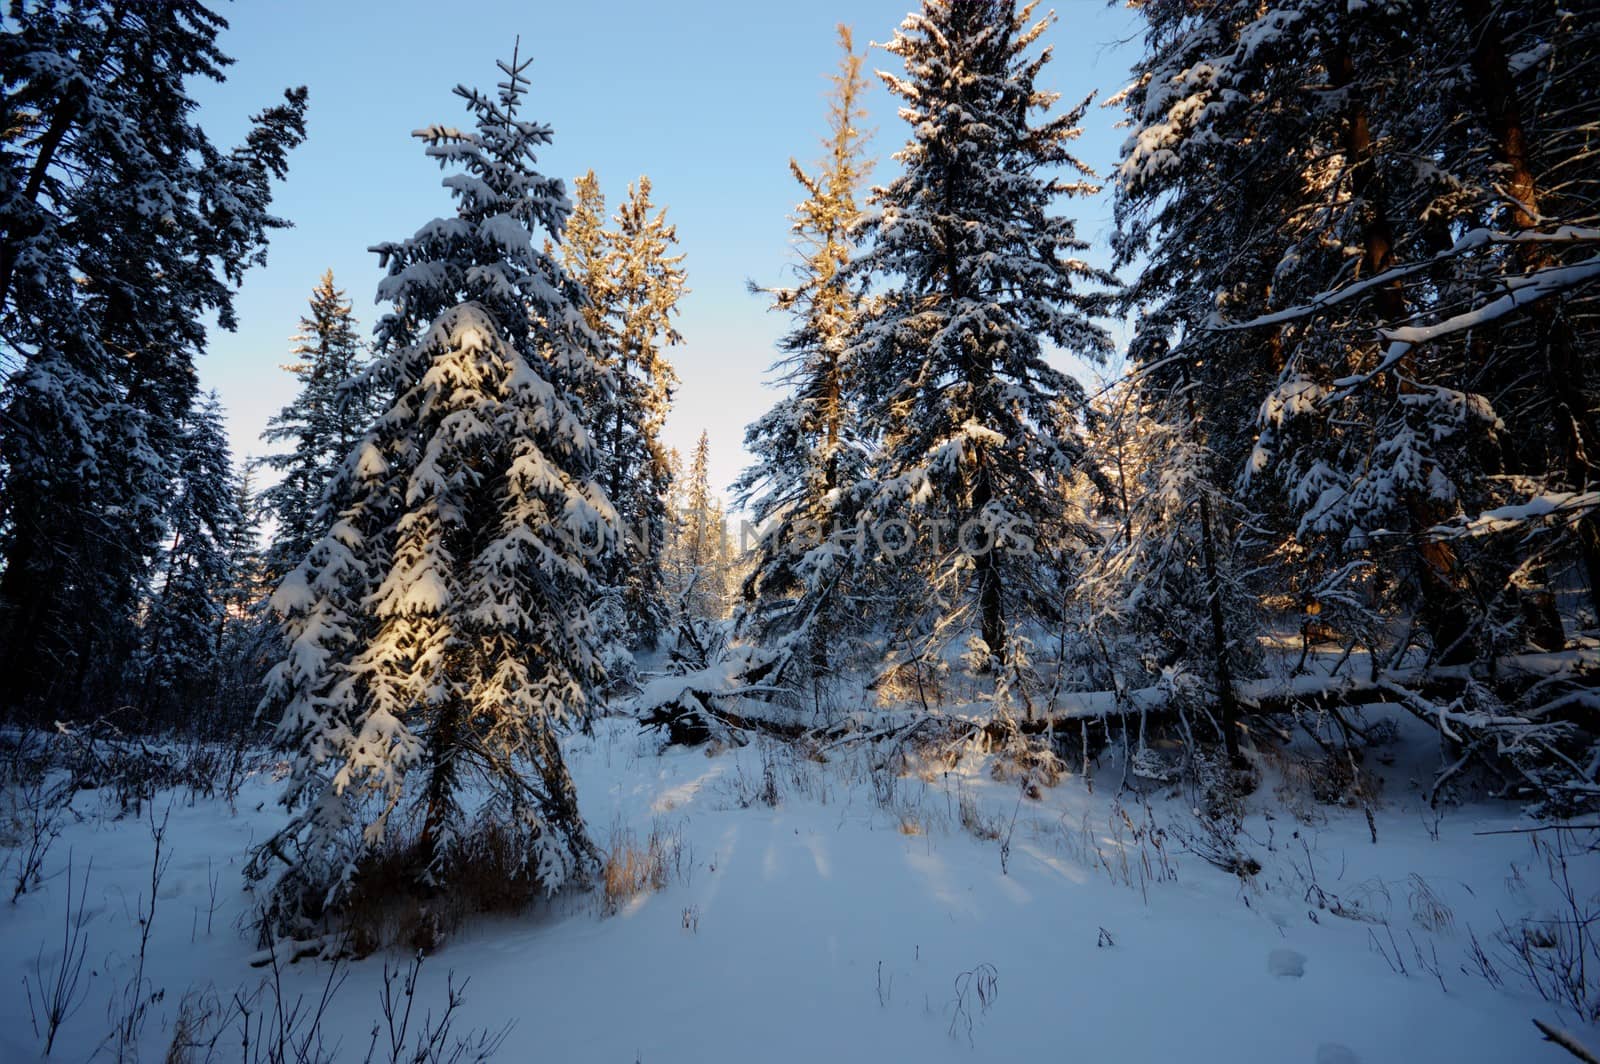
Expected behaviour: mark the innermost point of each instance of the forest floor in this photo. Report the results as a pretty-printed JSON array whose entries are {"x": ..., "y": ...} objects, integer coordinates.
[{"x": 815, "y": 911}]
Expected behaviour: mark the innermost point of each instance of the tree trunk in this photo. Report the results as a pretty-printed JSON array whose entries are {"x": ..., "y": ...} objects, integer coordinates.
[
  {"x": 443, "y": 747},
  {"x": 1227, "y": 697},
  {"x": 1564, "y": 380},
  {"x": 990, "y": 598},
  {"x": 1439, "y": 578}
]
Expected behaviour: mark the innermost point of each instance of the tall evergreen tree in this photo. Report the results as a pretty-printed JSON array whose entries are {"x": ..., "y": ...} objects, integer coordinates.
[
  {"x": 249, "y": 645},
  {"x": 978, "y": 429},
  {"x": 700, "y": 541},
  {"x": 808, "y": 447},
  {"x": 249, "y": 588},
  {"x": 122, "y": 229},
  {"x": 1158, "y": 599},
  {"x": 1333, "y": 179},
  {"x": 178, "y": 659},
  {"x": 1376, "y": 293},
  {"x": 587, "y": 252},
  {"x": 649, "y": 284},
  {"x": 1263, "y": 208},
  {"x": 634, "y": 285},
  {"x": 322, "y": 424},
  {"x": 438, "y": 633}
]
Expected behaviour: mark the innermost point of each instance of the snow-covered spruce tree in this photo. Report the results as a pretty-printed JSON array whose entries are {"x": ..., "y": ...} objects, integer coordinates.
[
  {"x": 1158, "y": 601},
  {"x": 978, "y": 428},
  {"x": 321, "y": 425},
  {"x": 586, "y": 251},
  {"x": 439, "y": 633},
  {"x": 250, "y": 587},
  {"x": 1208, "y": 227},
  {"x": 249, "y": 645},
  {"x": 807, "y": 447},
  {"x": 181, "y": 638},
  {"x": 122, "y": 229}
]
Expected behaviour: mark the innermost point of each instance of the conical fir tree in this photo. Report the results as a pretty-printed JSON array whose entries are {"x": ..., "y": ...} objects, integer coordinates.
[
  {"x": 323, "y": 423},
  {"x": 587, "y": 254},
  {"x": 438, "y": 635},
  {"x": 978, "y": 428},
  {"x": 634, "y": 286}
]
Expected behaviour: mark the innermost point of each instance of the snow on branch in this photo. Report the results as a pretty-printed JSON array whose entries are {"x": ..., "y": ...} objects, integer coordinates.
[
  {"x": 1556, "y": 507},
  {"x": 1474, "y": 240},
  {"x": 1519, "y": 292}
]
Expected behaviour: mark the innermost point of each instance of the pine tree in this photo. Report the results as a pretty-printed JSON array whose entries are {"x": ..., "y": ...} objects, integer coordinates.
[
  {"x": 322, "y": 424},
  {"x": 807, "y": 447},
  {"x": 439, "y": 632},
  {"x": 177, "y": 665},
  {"x": 674, "y": 573},
  {"x": 978, "y": 429},
  {"x": 1303, "y": 228},
  {"x": 649, "y": 283},
  {"x": 586, "y": 252},
  {"x": 250, "y": 586},
  {"x": 1376, "y": 294},
  {"x": 122, "y": 230},
  {"x": 249, "y": 642},
  {"x": 634, "y": 286}
]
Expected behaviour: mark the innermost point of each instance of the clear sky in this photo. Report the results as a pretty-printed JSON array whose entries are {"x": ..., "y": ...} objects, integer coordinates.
[{"x": 709, "y": 99}]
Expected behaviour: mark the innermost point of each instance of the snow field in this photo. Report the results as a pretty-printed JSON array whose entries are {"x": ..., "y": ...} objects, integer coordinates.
[{"x": 933, "y": 916}]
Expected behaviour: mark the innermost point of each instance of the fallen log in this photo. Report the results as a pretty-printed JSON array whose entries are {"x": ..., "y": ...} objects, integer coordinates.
[
  {"x": 1273, "y": 696},
  {"x": 706, "y": 703},
  {"x": 1537, "y": 740}
]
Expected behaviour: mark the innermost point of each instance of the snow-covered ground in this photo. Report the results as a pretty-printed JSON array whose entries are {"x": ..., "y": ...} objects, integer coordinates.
[{"x": 859, "y": 918}]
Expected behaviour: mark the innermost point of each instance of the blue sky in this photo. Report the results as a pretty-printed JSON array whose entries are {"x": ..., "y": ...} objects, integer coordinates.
[{"x": 709, "y": 99}]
